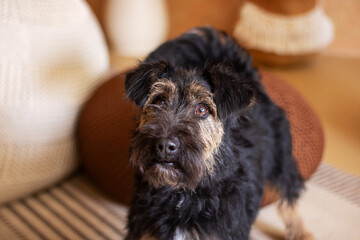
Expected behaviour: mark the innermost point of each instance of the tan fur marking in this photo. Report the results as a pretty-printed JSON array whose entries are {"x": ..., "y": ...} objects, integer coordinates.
[
  {"x": 211, "y": 133},
  {"x": 294, "y": 228},
  {"x": 211, "y": 128},
  {"x": 252, "y": 102},
  {"x": 162, "y": 87},
  {"x": 167, "y": 177}
]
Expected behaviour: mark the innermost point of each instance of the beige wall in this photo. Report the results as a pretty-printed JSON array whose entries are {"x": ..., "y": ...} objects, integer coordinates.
[{"x": 346, "y": 18}]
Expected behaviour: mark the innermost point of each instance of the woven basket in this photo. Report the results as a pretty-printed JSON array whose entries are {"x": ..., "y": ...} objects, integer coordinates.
[{"x": 52, "y": 54}]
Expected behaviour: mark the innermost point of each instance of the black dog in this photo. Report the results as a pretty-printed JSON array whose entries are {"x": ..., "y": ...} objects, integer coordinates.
[{"x": 208, "y": 140}]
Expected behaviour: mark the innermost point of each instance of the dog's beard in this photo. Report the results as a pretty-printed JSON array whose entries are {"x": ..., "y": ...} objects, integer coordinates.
[{"x": 184, "y": 171}]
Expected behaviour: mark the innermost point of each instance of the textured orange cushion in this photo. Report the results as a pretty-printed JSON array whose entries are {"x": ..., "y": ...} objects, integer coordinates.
[
  {"x": 106, "y": 123},
  {"x": 306, "y": 130}
]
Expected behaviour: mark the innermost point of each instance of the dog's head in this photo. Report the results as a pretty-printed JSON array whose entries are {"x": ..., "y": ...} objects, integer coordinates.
[{"x": 181, "y": 119}]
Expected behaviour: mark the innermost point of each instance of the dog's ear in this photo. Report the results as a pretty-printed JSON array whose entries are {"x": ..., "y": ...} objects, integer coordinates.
[
  {"x": 234, "y": 92},
  {"x": 139, "y": 80}
]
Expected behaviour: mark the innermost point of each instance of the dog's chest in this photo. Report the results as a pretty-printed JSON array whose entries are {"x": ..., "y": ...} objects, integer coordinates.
[
  {"x": 180, "y": 235},
  {"x": 186, "y": 235}
]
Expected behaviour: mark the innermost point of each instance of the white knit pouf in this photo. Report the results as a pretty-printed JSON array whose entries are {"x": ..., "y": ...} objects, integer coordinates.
[
  {"x": 282, "y": 34},
  {"x": 52, "y": 55}
]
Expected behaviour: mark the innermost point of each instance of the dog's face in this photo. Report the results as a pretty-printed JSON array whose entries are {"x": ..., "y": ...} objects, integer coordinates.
[{"x": 180, "y": 125}]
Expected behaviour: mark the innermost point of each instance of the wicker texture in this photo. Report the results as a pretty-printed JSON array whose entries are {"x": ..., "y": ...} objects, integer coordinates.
[
  {"x": 52, "y": 54},
  {"x": 108, "y": 119}
]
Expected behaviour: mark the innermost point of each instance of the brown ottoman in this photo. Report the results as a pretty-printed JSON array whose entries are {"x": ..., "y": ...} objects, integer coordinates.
[{"x": 108, "y": 119}]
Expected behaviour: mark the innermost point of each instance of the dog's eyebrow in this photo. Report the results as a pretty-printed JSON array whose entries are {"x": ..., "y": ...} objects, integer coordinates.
[
  {"x": 163, "y": 88},
  {"x": 199, "y": 91},
  {"x": 163, "y": 83}
]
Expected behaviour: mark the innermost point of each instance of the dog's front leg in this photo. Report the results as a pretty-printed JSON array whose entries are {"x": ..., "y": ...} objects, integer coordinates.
[{"x": 294, "y": 228}]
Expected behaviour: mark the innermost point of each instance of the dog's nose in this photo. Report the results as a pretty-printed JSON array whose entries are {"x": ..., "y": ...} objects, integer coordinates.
[{"x": 167, "y": 147}]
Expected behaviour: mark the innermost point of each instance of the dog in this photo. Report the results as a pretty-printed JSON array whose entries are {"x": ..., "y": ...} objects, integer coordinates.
[{"x": 208, "y": 140}]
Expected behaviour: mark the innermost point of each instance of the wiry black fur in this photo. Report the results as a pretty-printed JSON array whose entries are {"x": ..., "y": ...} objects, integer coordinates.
[{"x": 255, "y": 149}]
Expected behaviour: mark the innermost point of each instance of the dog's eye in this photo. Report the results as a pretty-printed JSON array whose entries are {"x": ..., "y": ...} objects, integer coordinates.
[
  {"x": 201, "y": 110},
  {"x": 159, "y": 100}
]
